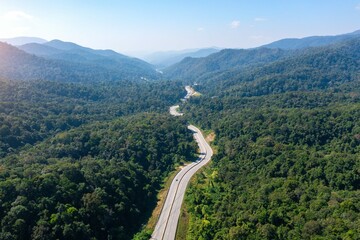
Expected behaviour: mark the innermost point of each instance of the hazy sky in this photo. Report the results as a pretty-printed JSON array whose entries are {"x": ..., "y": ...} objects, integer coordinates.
[{"x": 152, "y": 25}]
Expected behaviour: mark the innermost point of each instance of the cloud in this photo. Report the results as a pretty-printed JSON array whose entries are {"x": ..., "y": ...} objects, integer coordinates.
[
  {"x": 235, "y": 24},
  {"x": 357, "y": 7},
  {"x": 259, "y": 19},
  {"x": 17, "y": 15},
  {"x": 200, "y": 29}
]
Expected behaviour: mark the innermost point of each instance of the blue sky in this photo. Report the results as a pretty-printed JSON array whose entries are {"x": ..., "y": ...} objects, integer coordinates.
[{"x": 153, "y": 25}]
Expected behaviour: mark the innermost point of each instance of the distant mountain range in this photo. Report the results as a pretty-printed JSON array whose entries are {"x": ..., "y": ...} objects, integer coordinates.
[
  {"x": 62, "y": 61},
  {"x": 108, "y": 59},
  {"x": 192, "y": 69},
  {"x": 67, "y": 61},
  {"x": 36, "y": 60},
  {"x": 316, "y": 68},
  {"x": 22, "y": 40},
  {"x": 315, "y": 41},
  {"x": 165, "y": 59}
]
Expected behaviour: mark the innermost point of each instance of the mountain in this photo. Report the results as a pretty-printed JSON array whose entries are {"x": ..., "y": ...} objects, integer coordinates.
[
  {"x": 73, "y": 48},
  {"x": 193, "y": 68},
  {"x": 234, "y": 60},
  {"x": 357, "y": 32},
  {"x": 310, "y": 69},
  {"x": 39, "y": 49},
  {"x": 107, "y": 59},
  {"x": 165, "y": 59},
  {"x": 16, "y": 64},
  {"x": 314, "y": 41},
  {"x": 61, "y": 45},
  {"x": 22, "y": 40}
]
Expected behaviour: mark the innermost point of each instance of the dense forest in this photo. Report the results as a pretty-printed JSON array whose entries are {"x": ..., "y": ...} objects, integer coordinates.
[
  {"x": 287, "y": 163},
  {"x": 85, "y": 147},
  {"x": 96, "y": 181},
  {"x": 75, "y": 65},
  {"x": 232, "y": 63},
  {"x": 120, "y": 64},
  {"x": 82, "y": 161},
  {"x": 311, "y": 69},
  {"x": 195, "y": 68},
  {"x": 32, "y": 111},
  {"x": 281, "y": 173}
]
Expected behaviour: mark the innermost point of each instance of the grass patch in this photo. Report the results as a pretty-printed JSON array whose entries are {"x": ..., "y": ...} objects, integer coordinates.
[
  {"x": 183, "y": 224},
  {"x": 184, "y": 219},
  {"x": 210, "y": 137}
]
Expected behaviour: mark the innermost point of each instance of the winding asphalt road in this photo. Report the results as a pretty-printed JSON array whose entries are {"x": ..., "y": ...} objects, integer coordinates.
[
  {"x": 174, "y": 112},
  {"x": 166, "y": 226}
]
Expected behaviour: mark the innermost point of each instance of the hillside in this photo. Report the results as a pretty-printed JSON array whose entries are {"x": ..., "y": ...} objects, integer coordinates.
[
  {"x": 32, "y": 111},
  {"x": 194, "y": 68},
  {"x": 310, "y": 69},
  {"x": 85, "y": 183},
  {"x": 19, "y": 65},
  {"x": 280, "y": 173},
  {"x": 108, "y": 59},
  {"x": 314, "y": 41},
  {"x": 39, "y": 49},
  {"x": 17, "y": 41},
  {"x": 234, "y": 60},
  {"x": 75, "y": 157}
]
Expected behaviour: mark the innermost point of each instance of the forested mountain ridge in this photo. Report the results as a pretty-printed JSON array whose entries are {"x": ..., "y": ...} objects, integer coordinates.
[
  {"x": 17, "y": 41},
  {"x": 231, "y": 62},
  {"x": 109, "y": 59},
  {"x": 310, "y": 69},
  {"x": 315, "y": 41},
  {"x": 194, "y": 68},
  {"x": 39, "y": 49},
  {"x": 16, "y": 64}
]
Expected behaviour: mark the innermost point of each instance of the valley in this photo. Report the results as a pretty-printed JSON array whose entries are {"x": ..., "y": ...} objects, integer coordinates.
[
  {"x": 87, "y": 141},
  {"x": 167, "y": 223}
]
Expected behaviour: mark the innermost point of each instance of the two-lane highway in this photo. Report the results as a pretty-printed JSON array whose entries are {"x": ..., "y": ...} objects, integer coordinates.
[{"x": 166, "y": 226}]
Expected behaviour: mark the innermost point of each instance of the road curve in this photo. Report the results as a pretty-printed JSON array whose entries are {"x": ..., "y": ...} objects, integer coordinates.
[
  {"x": 166, "y": 226},
  {"x": 174, "y": 111}
]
